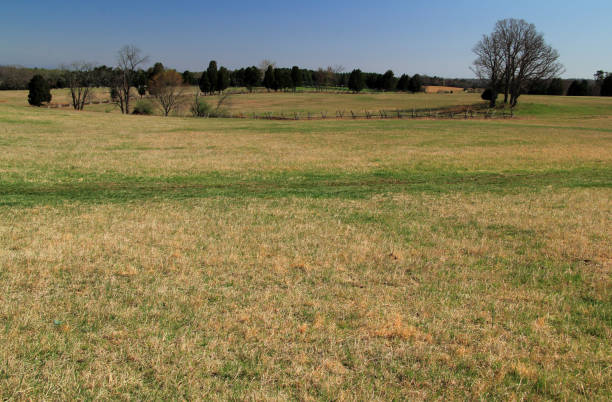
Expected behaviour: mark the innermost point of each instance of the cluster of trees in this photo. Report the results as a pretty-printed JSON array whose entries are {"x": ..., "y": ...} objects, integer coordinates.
[
  {"x": 213, "y": 80},
  {"x": 553, "y": 86},
  {"x": 357, "y": 81},
  {"x": 601, "y": 85},
  {"x": 512, "y": 57},
  {"x": 605, "y": 82}
]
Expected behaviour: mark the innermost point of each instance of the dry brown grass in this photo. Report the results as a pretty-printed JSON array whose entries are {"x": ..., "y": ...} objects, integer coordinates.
[{"x": 488, "y": 290}]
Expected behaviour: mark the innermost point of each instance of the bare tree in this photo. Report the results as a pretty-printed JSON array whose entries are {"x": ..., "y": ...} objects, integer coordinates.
[
  {"x": 514, "y": 56},
  {"x": 489, "y": 63},
  {"x": 79, "y": 78},
  {"x": 129, "y": 58},
  {"x": 263, "y": 66},
  {"x": 167, "y": 87}
]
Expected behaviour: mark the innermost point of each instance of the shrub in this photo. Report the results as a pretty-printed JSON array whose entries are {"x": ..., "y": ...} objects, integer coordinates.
[
  {"x": 199, "y": 108},
  {"x": 114, "y": 94},
  {"x": 487, "y": 94},
  {"x": 143, "y": 107},
  {"x": 40, "y": 91}
]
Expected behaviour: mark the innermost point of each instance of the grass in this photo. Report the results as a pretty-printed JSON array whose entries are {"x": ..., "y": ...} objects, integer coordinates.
[
  {"x": 283, "y": 102},
  {"x": 165, "y": 258}
]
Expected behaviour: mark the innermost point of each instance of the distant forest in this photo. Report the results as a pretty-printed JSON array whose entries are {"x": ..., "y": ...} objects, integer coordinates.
[{"x": 17, "y": 78}]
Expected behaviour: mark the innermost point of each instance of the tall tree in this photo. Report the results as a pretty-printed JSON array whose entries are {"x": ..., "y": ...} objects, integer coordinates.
[
  {"x": 251, "y": 77},
  {"x": 606, "y": 85},
  {"x": 296, "y": 77},
  {"x": 155, "y": 70},
  {"x": 269, "y": 81},
  {"x": 212, "y": 75},
  {"x": 513, "y": 57},
  {"x": 403, "y": 84},
  {"x": 356, "y": 81},
  {"x": 129, "y": 58},
  {"x": 40, "y": 91},
  {"x": 204, "y": 83},
  {"x": 189, "y": 78},
  {"x": 415, "y": 84},
  {"x": 223, "y": 79},
  {"x": 388, "y": 81}
]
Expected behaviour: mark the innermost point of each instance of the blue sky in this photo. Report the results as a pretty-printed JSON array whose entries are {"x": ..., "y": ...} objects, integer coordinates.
[{"x": 431, "y": 37}]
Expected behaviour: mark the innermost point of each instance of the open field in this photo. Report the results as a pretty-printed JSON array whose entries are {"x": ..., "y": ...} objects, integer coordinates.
[
  {"x": 170, "y": 258},
  {"x": 286, "y": 102}
]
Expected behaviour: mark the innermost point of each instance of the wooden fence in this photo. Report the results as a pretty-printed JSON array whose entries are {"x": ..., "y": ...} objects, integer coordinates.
[{"x": 380, "y": 115}]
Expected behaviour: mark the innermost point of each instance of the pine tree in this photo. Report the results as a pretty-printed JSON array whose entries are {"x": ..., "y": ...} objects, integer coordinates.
[
  {"x": 204, "y": 83},
  {"x": 39, "y": 91},
  {"x": 269, "y": 80},
  {"x": 212, "y": 75},
  {"x": 356, "y": 81},
  {"x": 403, "y": 83},
  {"x": 296, "y": 77},
  {"x": 388, "y": 81},
  {"x": 223, "y": 79},
  {"x": 251, "y": 77},
  {"x": 416, "y": 84},
  {"x": 606, "y": 86}
]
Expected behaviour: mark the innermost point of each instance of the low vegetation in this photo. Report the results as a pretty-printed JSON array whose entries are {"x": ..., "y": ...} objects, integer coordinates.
[{"x": 157, "y": 258}]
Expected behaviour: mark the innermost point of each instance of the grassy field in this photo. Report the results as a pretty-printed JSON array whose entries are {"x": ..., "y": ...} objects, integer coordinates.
[
  {"x": 181, "y": 258},
  {"x": 285, "y": 102}
]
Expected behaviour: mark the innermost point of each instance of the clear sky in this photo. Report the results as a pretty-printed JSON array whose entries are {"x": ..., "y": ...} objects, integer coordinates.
[{"x": 432, "y": 37}]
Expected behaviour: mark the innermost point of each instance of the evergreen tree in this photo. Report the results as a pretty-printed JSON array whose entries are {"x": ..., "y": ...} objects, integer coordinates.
[
  {"x": 356, "y": 81},
  {"x": 40, "y": 91},
  {"x": 155, "y": 70},
  {"x": 204, "y": 83},
  {"x": 251, "y": 77},
  {"x": 555, "y": 87},
  {"x": 388, "y": 81},
  {"x": 372, "y": 80},
  {"x": 296, "y": 77},
  {"x": 606, "y": 86},
  {"x": 415, "y": 84},
  {"x": 269, "y": 80},
  {"x": 212, "y": 75},
  {"x": 487, "y": 94},
  {"x": 189, "y": 78},
  {"x": 403, "y": 83},
  {"x": 578, "y": 88},
  {"x": 223, "y": 79}
]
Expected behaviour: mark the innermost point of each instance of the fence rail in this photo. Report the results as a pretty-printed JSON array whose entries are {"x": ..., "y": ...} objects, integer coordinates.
[{"x": 380, "y": 115}]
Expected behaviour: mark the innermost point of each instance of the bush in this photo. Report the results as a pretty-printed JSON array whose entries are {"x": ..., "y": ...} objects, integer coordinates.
[
  {"x": 487, "y": 94},
  {"x": 40, "y": 91},
  {"x": 199, "y": 108},
  {"x": 114, "y": 94},
  {"x": 143, "y": 107}
]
